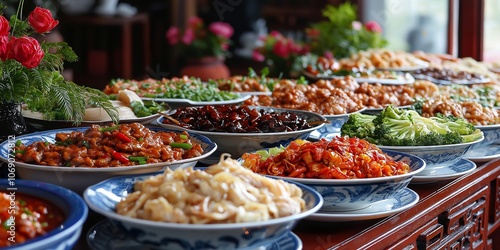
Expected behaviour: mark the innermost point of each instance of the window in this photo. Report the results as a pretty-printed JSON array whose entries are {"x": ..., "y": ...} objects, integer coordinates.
[
  {"x": 411, "y": 25},
  {"x": 491, "y": 48}
]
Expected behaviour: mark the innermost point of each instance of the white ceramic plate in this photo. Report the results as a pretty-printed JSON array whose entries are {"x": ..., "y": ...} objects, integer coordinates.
[
  {"x": 79, "y": 178},
  {"x": 420, "y": 64},
  {"x": 38, "y": 123},
  {"x": 105, "y": 236},
  {"x": 402, "y": 79},
  {"x": 446, "y": 82},
  {"x": 376, "y": 111},
  {"x": 256, "y": 93},
  {"x": 403, "y": 200},
  {"x": 176, "y": 103},
  {"x": 462, "y": 167}
]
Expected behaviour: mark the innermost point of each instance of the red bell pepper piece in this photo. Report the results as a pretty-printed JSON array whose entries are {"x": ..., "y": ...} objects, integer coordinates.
[
  {"x": 119, "y": 156},
  {"x": 122, "y": 137}
]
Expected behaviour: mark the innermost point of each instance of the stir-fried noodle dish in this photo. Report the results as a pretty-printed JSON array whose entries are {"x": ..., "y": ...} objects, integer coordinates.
[{"x": 223, "y": 193}]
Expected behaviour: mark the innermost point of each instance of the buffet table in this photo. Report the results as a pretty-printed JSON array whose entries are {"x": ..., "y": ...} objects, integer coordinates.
[{"x": 460, "y": 214}]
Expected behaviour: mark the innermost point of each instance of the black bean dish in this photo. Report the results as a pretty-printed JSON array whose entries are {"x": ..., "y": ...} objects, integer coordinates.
[{"x": 236, "y": 119}]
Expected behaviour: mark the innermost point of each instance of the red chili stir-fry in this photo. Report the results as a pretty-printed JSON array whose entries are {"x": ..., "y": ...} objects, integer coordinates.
[
  {"x": 24, "y": 217},
  {"x": 341, "y": 158},
  {"x": 112, "y": 146}
]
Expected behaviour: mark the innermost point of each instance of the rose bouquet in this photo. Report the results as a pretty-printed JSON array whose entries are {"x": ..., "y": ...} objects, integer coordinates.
[
  {"x": 30, "y": 71},
  {"x": 198, "y": 40},
  {"x": 280, "y": 53},
  {"x": 342, "y": 34}
]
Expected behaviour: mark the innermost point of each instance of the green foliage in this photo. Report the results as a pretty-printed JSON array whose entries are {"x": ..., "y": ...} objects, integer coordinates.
[
  {"x": 340, "y": 34},
  {"x": 400, "y": 127},
  {"x": 43, "y": 89}
]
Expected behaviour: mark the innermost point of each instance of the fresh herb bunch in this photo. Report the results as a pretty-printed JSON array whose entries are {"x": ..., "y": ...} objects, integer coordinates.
[
  {"x": 342, "y": 34},
  {"x": 30, "y": 72}
]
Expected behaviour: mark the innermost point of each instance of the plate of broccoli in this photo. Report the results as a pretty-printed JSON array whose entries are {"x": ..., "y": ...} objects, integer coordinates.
[{"x": 405, "y": 127}]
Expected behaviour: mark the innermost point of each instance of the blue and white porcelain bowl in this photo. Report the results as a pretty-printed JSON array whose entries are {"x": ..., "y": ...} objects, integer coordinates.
[
  {"x": 75, "y": 209},
  {"x": 331, "y": 129},
  {"x": 438, "y": 156},
  {"x": 237, "y": 144},
  {"x": 103, "y": 197},
  {"x": 487, "y": 149},
  {"x": 79, "y": 178},
  {"x": 354, "y": 194}
]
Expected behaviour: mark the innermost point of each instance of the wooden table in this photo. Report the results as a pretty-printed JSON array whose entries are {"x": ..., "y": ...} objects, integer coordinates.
[
  {"x": 126, "y": 25},
  {"x": 459, "y": 214}
]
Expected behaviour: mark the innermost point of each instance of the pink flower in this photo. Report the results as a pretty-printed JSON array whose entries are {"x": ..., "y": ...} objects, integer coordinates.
[
  {"x": 173, "y": 35},
  {"x": 373, "y": 27},
  {"x": 293, "y": 47},
  {"x": 257, "y": 56},
  {"x": 275, "y": 34},
  {"x": 281, "y": 49},
  {"x": 221, "y": 29},
  {"x": 328, "y": 54},
  {"x": 188, "y": 36},
  {"x": 4, "y": 26},
  {"x": 356, "y": 25},
  {"x": 194, "y": 22}
]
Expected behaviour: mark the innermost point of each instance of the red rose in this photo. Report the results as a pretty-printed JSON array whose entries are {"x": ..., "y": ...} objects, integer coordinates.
[
  {"x": 221, "y": 29},
  {"x": 195, "y": 22},
  {"x": 41, "y": 20},
  {"x": 4, "y": 26},
  {"x": 281, "y": 49},
  {"x": 25, "y": 50},
  {"x": 257, "y": 56},
  {"x": 4, "y": 40},
  {"x": 373, "y": 27}
]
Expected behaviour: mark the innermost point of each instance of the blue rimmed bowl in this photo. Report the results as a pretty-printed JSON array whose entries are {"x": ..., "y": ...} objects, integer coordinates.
[
  {"x": 79, "y": 178},
  {"x": 353, "y": 194},
  {"x": 103, "y": 197},
  {"x": 76, "y": 211},
  {"x": 437, "y": 156},
  {"x": 331, "y": 129},
  {"x": 487, "y": 149}
]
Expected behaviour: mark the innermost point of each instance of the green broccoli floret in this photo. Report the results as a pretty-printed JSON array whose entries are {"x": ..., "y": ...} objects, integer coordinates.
[
  {"x": 458, "y": 124},
  {"x": 358, "y": 125},
  {"x": 399, "y": 127}
]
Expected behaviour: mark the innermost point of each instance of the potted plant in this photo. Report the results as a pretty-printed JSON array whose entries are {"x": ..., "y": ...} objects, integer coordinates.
[
  {"x": 342, "y": 34},
  {"x": 30, "y": 74},
  {"x": 202, "y": 47}
]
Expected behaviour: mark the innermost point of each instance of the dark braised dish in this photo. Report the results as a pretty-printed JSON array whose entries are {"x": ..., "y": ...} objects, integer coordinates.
[
  {"x": 448, "y": 75},
  {"x": 236, "y": 119},
  {"x": 112, "y": 146}
]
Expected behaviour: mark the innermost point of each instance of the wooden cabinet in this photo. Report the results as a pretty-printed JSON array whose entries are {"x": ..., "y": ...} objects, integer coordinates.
[{"x": 459, "y": 214}]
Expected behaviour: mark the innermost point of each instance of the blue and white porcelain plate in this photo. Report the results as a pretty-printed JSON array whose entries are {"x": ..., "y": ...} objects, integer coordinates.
[
  {"x": 462, "y": 167},
  {"x": 489, "y": 148},
  {"x": 402, "y": 200},
  {"x": 483, "y": 153},
  {"x": 106, "y": 236}
]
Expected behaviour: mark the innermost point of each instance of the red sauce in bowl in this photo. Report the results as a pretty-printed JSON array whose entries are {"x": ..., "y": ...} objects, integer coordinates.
[{"x": 24, "y": 217}]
